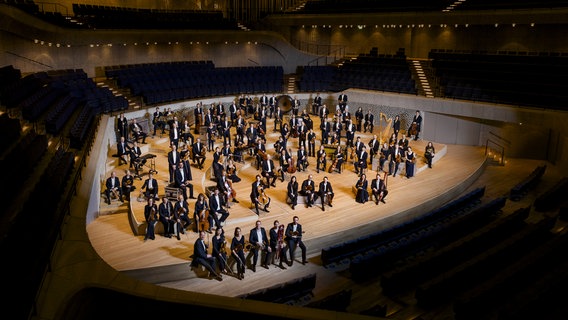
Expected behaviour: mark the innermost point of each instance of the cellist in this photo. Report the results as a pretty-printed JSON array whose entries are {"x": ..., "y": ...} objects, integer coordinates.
[{"x": 257, "y": 195}]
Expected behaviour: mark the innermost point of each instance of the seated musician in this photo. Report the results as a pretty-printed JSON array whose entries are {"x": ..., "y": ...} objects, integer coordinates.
[
  {"x": 325, "y": 191},
  {"x": 238, "y": 151},
  {"x": 182, "y": 181},
  {"x": 151, "y": 186},
  {"x": 128, "y": 185},
  {"x": 268, "y": 171},
  {"x": 302, "y": 162},
  {"x": 199, "y": 153},
  {"x": 135, "y": 161},
  {"x": 201, "y": 209},
  {"x": 216, "y": 204},
  {"x": 181, "y": 210},
  {"x": 158, "y": 121},
  {"x": 308, "y": 190},
  {"x": 379, "y": 189},
  {"x": 321, "y": 159},
  {"x": 151, "y": 217},
  {"x": 123, "y": 152},
  {"x": 186, "y": 135},
  {"x": 257, "y": 196},
  {"x": 113, "y": 186},
  {"x": 137, "y": 132},
  {"x": 338, "y": 158},
  {"x": 361, "y": 163},
  {"x": 224, "y": 184},
  {"x": 231, "y": 170}
]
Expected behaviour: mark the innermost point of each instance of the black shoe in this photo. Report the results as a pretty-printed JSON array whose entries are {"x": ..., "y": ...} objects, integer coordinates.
[
  {"x": 209, "y": 231},
  {"x": 304, "y": 262},
  {"x": 178, "y": 237},
  {"x": 273, "y": 184},
  {"x": 322, "y": 209},
  {"x": 253, "y": 268},
  {"x": 192, "y": 197},
  {"x": 293, "y": 207},
  {"x": 383, "y": 200},
  {"x": 266, "y": 210},
  {"x": 235, "y": 201},
  {"x": 376, "y": 202},
  {"x": 330, "y": 205},
  {"x": 282, "y": 266}
]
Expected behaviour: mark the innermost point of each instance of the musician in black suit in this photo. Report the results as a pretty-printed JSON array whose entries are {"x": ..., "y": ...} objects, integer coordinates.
[
  {"x": 321, "y": 162},
  {"x": 137, "y": 132},
  {"x": 278, "y": 116},
  {"x": 379, "y": 189},
  {"x": 182, "y": 181},
  {"x": 174, "y": 158},
  {"x": 181, "y": 210},
  {"x": 201, "y": 257},
  {"x": 158, "y": 122},
  {"x": 325, "y": 191},
  {"x": 226, "y": 127},
  {"x": 350, "y": 133},
  {"x": 403, "y": 143},
  {"x": 122, "y": 126},
  {"x": 316, "y": 104},
  {"x": 294, "y": 239},
  {"x": 302, "y": 161},
  {"x": 272, "y": 106},
  {"x": 123, "y": 152},
  {"x": 396, "y": 125},
  {"x": 417, "y": 119},
  {"x": 113, "y": 185},
  {"x": 135, "y": 161},
  {"x": 295, "y": 106},
  {"x": 127, "y": 185},
  {"x": 369, "y": 121},
  {"x": 223, "y": 184},
  {"x": 166, "y": 211},
  {"x": 338, "y": 158},
  {"x": 269, "y": 171},
  {"x": 216, "y": 203},
  {"x": 358, "y": 144},
  {"x": 233, "y": 112},
  {"x": 361, "y": 160},
  {"x": 311, "y": 143},
  {"x": 198, "y": 153},
  {"x": 309, "y": 190},
  {"x": 151, "y": 216},
  {"x": 259, "y": 241},
  {"x": 252, "y": 134},
  {"x": 257, "y": 189},
  {"x": 342, "y": 99},
  {"x": 374, "y": 146},
  {"x": 151, "y": 186},
  {"x": 325, "y": 127},
  {"x": 395, "y": 159}
]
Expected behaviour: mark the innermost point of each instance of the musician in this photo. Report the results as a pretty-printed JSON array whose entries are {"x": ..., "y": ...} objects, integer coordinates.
[
  {"x": 186, "y": 135},
  {"x": 240, "y": 124},
  {"x": 417, "y": 119},
  {"x": 278, "y": 116},
  {"x": 337, "y": 127},
  {"x": 277, "y": 243},
  {"x": 224, "y": 187},
  {"x": 174, "y": 134},
  {"x": 252, "y": 134},
  {"x": 249, "y": 103},
  {"x": 379, "y": 189},
  {"x": 308, "y": 190},
  {"x": 429, "y": 153},
  {"x": 211, "y": 134},
  {"x": 396, "y": 126},
  {"x": 238, "y": 252},
  {"x": 158, "y": 122},
  {"x": 182, "y": 181},
  {"x": 362, "y": 192},
  {"x": 374, "y": 146},
  {"x": 216, "y": 203},
  {"x": 174, "y": 158},
  {"x": 285, "y": 131},
  {"x": 166, "y": 211},
  {"x": 226, "y": 128},
  {"x": 242, "y": 101},
  {"x": 393, "y": 140},
  {"x": 218, "y": 243},
  {"x": 113, "y": 185},
  {"x": 358, "y": 145},
  {"x": 233, "y": 112},
  {"x": 259, "y": 241},
  {"x": 123, "y": 152},
  {"x": 359, "y": 118},
  {"x": 338, "y": 158},
  {"x": 200, "y": 207},
  {"x": 369, "y": 122},
  {"x": 285, "y": 162},
  {"x": 325, "y": 127},
  {"x": 208, "y": 118},
  {"x": 137, "y": 132},
  {"x": 395, "y": 159},
  {"x": 342, "y": 98},
  {"x": 321, "y": 157},
  {"x": 307, "y": 120},
  {"x": 292, "y": 191},
  {"x": 198, "y": 114},
  {"x": 127, "y": 185},
  {"x": 302, "y": 134},
  {"x": 256, "y": 193},
  {"x": 383, "y": 156},
  {"x": 268, "y": 171},
  {"x": 272, "y": 105},
  {"x": 294, "y": 240},
  {"x": 260, "y": 152},
  {"x": 181, "y": 212},
  {"x": 295, "y": 106},
  {"x": 201, "y": 257},
  {"x": 151, "y": 186},
  {"x": 410, "y": 159},
  {"x": 220, "y": 109},
  {"x": 198, "y": 153},
  {"x": 323, "y": 112},
  {"x": 311, "y": 143},
  {"x": 350, "y": 132},
  {"x": 122, "y": 126},
  {"x": 403, "y": 143},
  {"x": 325, "y": 191},
  {"x": 361, "y": 163},
  {"x": 279, "y": 145},
  {"x": 302, "y": 161},
  {"x": 231, "y": 170},
  {"x": 135, "y": 161},
  {"x": 151, "y": 216}
]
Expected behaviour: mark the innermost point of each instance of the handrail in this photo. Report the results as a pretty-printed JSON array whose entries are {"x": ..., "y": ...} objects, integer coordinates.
[
  {"x": 501, "y": 151},
  {"x": 499, "y": 137},
  {"x": 324, "y": 51}
]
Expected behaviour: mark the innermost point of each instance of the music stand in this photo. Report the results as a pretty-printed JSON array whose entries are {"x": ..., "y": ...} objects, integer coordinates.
[{"x": 143, "y": 160}]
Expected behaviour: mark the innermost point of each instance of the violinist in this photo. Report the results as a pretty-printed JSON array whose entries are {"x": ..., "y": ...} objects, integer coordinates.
[
  {"x": 277, "y": 244},
  {"x": 308, "y": 190},
  {"x": 225, "y": 186},
  {"x": 285, "y": 162},
  {"x": 429, "y": 153},
  {"x": 231, "y": 170},
  {"x": 337, "y": 160},
  {"x": 238, "y": 252},
  {"x": 201, "y": 209},
  {"x": 257, "y": 195},
  {"x": 374, "y": 146},
  {"x": 151, "y": 216},
  {"x": 321, "y": 159},
  {"x": 292, "y": 191},
  {"x": 181, "y": 209},
  {"x": 293, "y": 237},
  {"x": 199, "y": 153},
  {"x": 259, "y": 244},
  {"x": 218, "y": 251},
  {"x": 311, "y": 143}
]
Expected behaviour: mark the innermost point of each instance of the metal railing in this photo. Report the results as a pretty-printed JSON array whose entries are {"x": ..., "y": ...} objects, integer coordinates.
[{"x": 495, "y": 151}]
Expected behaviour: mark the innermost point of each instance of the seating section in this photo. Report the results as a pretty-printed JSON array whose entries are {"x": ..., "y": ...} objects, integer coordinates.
[
  {"x": 552, "y": 198},
  {"x": 349, "y": 249},
  {"x": 518, "y": 78},
  {"x": 335, "y": 302},
  {"x": 10, "y": 131},
  {"x": 529, "y": 183},
  {"x": 287, "y": 292}
]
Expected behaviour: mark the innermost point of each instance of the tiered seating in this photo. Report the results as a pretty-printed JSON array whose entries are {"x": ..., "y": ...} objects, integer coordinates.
[
  {"x": 286, "y": 292},
  {"x": 317, "y": 78},
  {"x": 349, "y": 249},
  {"x": 84, "y": 124},
  {"x": 17, "y": 91},
  {"x": 10, "y": 131},
  {"x": 521, "y": 188},
  {"x": 336, "y": 302},
  {"x": 528, "y": 80},
  {"x": 553, "y": 197}
]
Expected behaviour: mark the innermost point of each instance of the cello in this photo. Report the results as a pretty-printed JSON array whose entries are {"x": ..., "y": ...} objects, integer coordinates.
[
  {"x": 292, "y": 166},
  {"x": 203, "y": 217},
  {"x": 279, "y": 241}
]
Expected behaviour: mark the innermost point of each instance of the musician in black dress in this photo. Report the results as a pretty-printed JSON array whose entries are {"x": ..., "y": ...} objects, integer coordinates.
[
  {"x": 238, "y": 252},
  {"x": 285, "y": 162},
  {"x": 410, "y": 159},
  {"x": 369, "y": 122},
  {"x": 429, "y": 153},
  {"x": 383, "y": 156},
  {"x": 321, "y": 157},
  {"x": 151, "y": 216},
  {"x": 122, "y": 126},
  {"x": 362, "y": 191},
  {"x": 396, "y": 126},
  {"x": 218, "y": 251},
  {"x": 292, "y": 191}
]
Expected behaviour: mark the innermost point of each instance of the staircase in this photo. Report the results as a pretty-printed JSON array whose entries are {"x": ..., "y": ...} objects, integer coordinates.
[
  {"x": 290, "y": 83},
  {"x": 133, "y": 101},
  {"x": 422, "y": 72}
]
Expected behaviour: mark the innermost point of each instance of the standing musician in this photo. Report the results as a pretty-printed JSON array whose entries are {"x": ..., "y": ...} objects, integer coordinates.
[
  {"x": 410, "y": 159},
  {"x": 309, "y": 190},
  {"x": 259, "y": 242},
  {"x": 151, "y": 186},
  {"x": 151, "y": 216},
  {"x": 220, "y": 109},
  {"x": 226, "y": 127},
  {"x": 302, "y": 161},
  {"x": 166, "y": 211},
  {"x": 294, "y": 240},
  {"x": 321, "y": 159},
  {"x": 350, "y": 133},
  {"x": 174, "y": 158},
  {"x": 186, "y": 135},
  {"x": 295, "y": 106},
  {"x": 211, "y": 136},
  {"x": 429, "y": 153},
  {"x": 199, "y": 153},
  {"x": 369, "y": 119},
  {"x": 233, "y": 112},
  {"x": 260, "y": 152},
  {"x": 337, "y": 127},
  {"x": 127, "y": 185},
  {"x": 278, "y": 117},
  {"x": 396, "y": 126},
  {"x": 257, "y": 195},
  {"x": 316, "y": 104},
  {"x": 323, "y": 112},
  {"x": 200, "y": 210},
  {"x": 379, "y": 188},
  {"x": 272, "y": 105},
  {"x": 183, "y": 181},
  {"x": 325, "y": 191},
  {"x": 137, "y": 131},
  {"x": 218, "y": 251},
  {"x": 362, "y": 192},
  {"x": 122, "y": 126},
  {"x": 311, "y": 143},
  {"x": 395, "y": 159},
  {"x": 302, "y": 134},
  {"x": 268, "y": 171},
  {"x": 358, "y": 145},
  {"x": 359, "y": 118},
  {"x": 201, "y": 257},
  {"x": 342, "y": 98},
  {"x": 175, "y": 134},
  {"x": 216, "y": 204},
  {"x": 181, "y": 209},
  {"x": 241, "y": 125},
  {"x": 113, "y": 185},
  {"x": 325, "y": 127},
  {"x": 208, "y": 118},
  {"x": 158, "y": 122},
  {"x": 294, "y": 123},
  {"x": 292, "y": 191},
  {"x": 361, "y": 163},
  {"x": 238, "y": 252},
  {"x": 277, "y": 244},
  {"x": 416, "y": 120},
  {"x": 285, "y": 162},
  {"x": 374, "y": 146},
  {"x": 198, "y": 114}
]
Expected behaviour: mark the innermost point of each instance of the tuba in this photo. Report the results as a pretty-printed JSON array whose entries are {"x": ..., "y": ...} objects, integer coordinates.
[{"x": 285, "y": 103}]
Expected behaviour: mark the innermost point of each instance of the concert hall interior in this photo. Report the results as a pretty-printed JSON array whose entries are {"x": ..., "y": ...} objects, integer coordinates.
[{"x": 474, "y": 232}]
